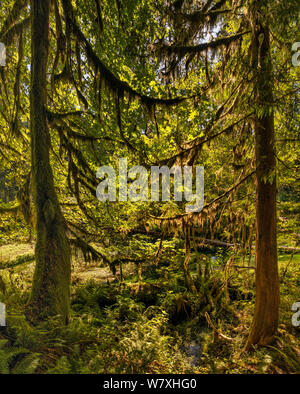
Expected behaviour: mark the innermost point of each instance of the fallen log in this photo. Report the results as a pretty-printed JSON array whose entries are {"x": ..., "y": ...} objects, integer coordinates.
[
  {"x": 17, "y": 261},
  {"x": 215, "y": 242},
  {"x": 289, "y": 249}
]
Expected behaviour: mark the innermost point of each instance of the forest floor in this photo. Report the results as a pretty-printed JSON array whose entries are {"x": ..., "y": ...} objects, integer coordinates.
[{"x": 155, "y": 326}]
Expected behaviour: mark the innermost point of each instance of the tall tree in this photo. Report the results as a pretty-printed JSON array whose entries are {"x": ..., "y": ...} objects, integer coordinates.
[
  {"x": 265, "y": 321},
  {"x": 50, "y": 289},
  {"x": 244, "y": 67}
]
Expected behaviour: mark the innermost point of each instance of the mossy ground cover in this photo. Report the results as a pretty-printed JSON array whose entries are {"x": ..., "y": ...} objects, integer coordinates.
[{"x": 155, "y": 326}]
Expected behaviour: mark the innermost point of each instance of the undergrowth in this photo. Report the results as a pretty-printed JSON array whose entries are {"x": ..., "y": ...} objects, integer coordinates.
[{"x": 151, "y": 327}]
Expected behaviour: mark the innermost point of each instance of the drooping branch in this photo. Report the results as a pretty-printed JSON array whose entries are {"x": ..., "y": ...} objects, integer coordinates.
[
  {"x": 13, "y": 17},
  {"x": 188, "y": 217},
  {"x": 116, "y": 85},
  {"x": 198, "y": 142},
  {"x": 182, "y": 50},
  {"x": 52, "y": 117},
  {"x": 89, "y": 253},
  {"x": 8, "y": 37}
]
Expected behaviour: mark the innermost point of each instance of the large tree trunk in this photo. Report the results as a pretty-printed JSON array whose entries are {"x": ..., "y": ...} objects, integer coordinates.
[
  {"x": 265, "y": 321},
  {"x": 51, "y": 283}
]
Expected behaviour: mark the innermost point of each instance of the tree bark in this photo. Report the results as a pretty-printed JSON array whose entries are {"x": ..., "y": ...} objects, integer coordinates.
[
  {"x": 265, "y": 320},
  {"x": 51, "y": 283}
]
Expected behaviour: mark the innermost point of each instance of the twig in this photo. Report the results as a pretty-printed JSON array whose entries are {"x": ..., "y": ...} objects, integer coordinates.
[{"x": 209, "y": 322}]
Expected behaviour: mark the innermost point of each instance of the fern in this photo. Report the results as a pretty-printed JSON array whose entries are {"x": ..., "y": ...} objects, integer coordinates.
[
  {"x": 27, "y": 365},
  {"x": 16, "y": 360}
]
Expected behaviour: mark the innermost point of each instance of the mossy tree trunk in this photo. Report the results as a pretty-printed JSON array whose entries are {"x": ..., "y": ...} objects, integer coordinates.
[
  {"x": 50, "y": 290},
  {"x": 265, "y": 320}
]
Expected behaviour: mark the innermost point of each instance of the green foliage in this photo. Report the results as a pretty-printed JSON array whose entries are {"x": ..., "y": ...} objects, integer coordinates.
[
  {"x": 114, "y": 332},
  {"x": 118, "y": 108},
  {"x": 17, "y": 360}
]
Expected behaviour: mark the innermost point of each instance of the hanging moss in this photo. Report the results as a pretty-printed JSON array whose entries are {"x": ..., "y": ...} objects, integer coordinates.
[{"x": 50, "y": 294}]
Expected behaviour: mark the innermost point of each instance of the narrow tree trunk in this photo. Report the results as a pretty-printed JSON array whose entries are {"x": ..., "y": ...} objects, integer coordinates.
[
  {"x": 265, "y": 320},
  {"x": 51, "y": 283}
]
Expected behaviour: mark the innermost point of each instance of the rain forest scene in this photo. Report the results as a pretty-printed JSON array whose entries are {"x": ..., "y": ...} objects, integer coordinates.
[{"x": 149, "y": 188}]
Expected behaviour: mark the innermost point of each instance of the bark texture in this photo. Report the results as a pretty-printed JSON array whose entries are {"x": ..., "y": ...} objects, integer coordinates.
[
  {"x": 265, "y": 320},
  {"x": 50, "y": 290}
]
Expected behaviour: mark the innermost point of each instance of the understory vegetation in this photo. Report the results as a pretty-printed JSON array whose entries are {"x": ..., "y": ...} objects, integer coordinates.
[{"x": 152, "y": 326}]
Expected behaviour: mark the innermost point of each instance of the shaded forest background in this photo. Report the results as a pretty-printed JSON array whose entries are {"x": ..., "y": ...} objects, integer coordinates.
[{"x": 145, "y": 287}]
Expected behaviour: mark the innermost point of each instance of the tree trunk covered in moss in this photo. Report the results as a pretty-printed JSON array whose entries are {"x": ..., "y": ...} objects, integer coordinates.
[
  {"x": 265, "y": 320},
  {"x": 51, "y": 283}
]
